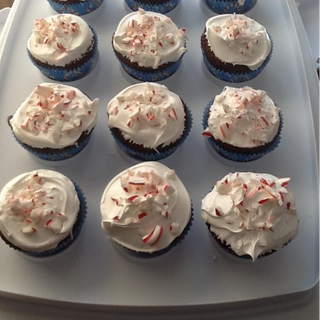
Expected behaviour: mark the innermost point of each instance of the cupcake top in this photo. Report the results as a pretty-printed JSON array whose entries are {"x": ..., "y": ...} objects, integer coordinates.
[
  {"x": 145, "y": 207},
  {"x": 38, "y": 209},
  {"x": 148, "y": 114},
  {"x": 149, "y": 38},
  {"x": 243, "y": 117},
  {"x": 253, "y": 213},
  {"x": 239, "y": 40},
  {"x": 59, "y": 39},
  {"x": 54, "y": 116}
]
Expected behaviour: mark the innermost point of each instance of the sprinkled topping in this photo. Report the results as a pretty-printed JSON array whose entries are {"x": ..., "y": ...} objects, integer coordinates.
[
  {"x": 147, "y": 191},
  {"x": 249, "y": 208},
  {"x": 54, "y": 116},
  {"x": 38, "y": 210},
  {"x": 148, "y": 114},
  {"x": 238, "y": 39},
  {"x": 59, "y": 39},
  {"x": 149, "y": 38},
  {"x": 150, "y": 211},
  {"x": 243, "y": 117}
]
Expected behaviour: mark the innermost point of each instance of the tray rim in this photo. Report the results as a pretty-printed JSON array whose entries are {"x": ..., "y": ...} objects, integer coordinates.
[{"x": 231, "y": 309}]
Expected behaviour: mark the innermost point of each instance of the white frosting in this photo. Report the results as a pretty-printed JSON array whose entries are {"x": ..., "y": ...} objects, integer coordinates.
[
  {"x": 38, "y": 209},
  {"x": 253, "y": 213},
  {"x": 243, "y": 117},
  {"x": 145, "y": 207},
  {"x": 149, "y": 38},
  {"x": 54, "y": 116},
  {"x": 60, "y": 39},
  {"x": 147, "y": 114},
  {"x": 239, "y": 40}
]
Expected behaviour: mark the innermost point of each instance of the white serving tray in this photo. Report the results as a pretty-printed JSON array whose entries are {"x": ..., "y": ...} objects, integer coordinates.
[
  {"x": 194, "y": 275},
  {"x": 3, "y": 18}
]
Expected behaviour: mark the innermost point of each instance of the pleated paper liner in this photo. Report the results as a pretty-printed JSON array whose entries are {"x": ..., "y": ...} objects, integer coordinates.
[
  {"x": 77, "y": 7},
  {"x": 161, "y": 7}
]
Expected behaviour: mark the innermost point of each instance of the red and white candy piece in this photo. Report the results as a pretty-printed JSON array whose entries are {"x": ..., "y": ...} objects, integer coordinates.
[
  {"x": 154, "y": 236},
  {"x": 43, "y": 91},
  {"x": 174, "y": 228},
  {"x": 284, "y": 182},
  {"x": 28, "y": 230},
  {"x": 137, "y": 181}
]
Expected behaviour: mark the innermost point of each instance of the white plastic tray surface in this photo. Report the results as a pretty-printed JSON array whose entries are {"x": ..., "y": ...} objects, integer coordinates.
[
  {"x": 93, "y": 271},
  {"x": 3, "y": 17}
]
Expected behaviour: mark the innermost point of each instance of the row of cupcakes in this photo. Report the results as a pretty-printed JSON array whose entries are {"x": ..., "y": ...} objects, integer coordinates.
[
  {"x": 82, "y": 7},
  {"x": 147, "y": 210},
  {"x": 148, "y": 122},
  {"x": 150, "y": 47}
]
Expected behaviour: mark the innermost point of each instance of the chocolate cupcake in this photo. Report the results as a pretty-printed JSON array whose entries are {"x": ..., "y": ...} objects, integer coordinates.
[
  {"x": 149, "y": 45},
  {"x": 63, "y": 47},
  {"x": 55, "y": 122},
  {"x": 146, "y": 209},
  {"x": 41, "y": 213},
  {"x": 242, "y": 124},
  {"x": 251, "y": 214},
  {"x": 77, "y": 7},
  {"x": 235, "y": 48},
  {"x": 161, "y": 6},
  {"x": 148, "y": 121}
]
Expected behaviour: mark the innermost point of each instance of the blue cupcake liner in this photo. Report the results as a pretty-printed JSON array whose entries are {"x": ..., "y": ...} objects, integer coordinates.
[
  {"x": 81, "y": 8},
  {"x": 161, "y": 7},
  {"x": 154, "y": 75},
  {"x": 234, "y": 156},
  {"x": 59, "y": 155},
  {"x": 174, "y": 243},
  {"x": 236, "y": 77},
  {"x": 144, "y": 156},
  {"x": 230, "y": 6},
  {"x": 63, "y": 75},
  {"x": 65, "y": 243}
]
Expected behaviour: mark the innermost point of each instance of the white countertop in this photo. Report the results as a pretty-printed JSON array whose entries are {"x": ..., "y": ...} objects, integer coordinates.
[{"x": 305, "y": 309}]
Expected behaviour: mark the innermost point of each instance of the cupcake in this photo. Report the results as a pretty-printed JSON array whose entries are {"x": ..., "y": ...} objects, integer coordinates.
[
  {"x": 41, "y": 213},
  {"x": 235, "y": 48},
  {"x": 55, "y": 122},
  {"x": 146, "y": 209},
  {"x": 251, "y": 214},
  {"x": 63, "y": 47},
  {"x": 230, "y": 6},
  {"x": 161, "y": 6},
  {"x": 148, "y": 121},
  {"x": 149, "y": 45},
  {"x": 78, "y": 7},
  {"x": 242, "y": 124}
]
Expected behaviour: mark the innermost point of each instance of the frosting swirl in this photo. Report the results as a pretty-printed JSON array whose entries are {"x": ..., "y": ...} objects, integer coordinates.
[
  {"x": 239, "y": 40},
  {"x": 54, "y": 116},
  {"x": 244, "y": 117},
  {"x": 147, "y": 114},
  {"x": 38, "y": 209},
  {"x": 253, "y": 213},
  {"x": 145, "y": 207},
  {"x": 59, "y": 39},
  {"x": 149, "y": 38}
]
